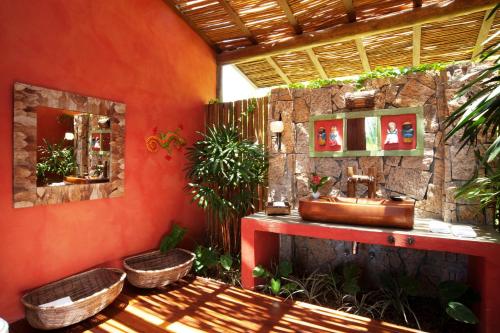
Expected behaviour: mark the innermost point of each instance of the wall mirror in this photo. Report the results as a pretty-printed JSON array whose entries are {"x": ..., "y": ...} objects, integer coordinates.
[
  {"x": 387, "y": 132},
  {"x": 67, "y": 147}
]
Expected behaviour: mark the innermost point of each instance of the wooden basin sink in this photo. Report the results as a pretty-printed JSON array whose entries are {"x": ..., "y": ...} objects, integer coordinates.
[
  {"x": 363, "y": 211},
  {"x": 82, "y": 180}
]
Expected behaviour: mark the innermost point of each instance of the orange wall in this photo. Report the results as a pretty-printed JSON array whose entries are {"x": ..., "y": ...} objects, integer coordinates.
[{"x": 137, "y": 52}]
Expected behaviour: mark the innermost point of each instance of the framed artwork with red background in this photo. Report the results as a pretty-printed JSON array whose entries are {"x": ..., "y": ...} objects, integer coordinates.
[
  {"x": 328, "y": 135},
  {"x": 398, "y": 132}
]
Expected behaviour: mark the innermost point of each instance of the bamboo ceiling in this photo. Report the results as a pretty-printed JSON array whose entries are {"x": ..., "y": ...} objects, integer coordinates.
[{"x": 275, "y": 42}]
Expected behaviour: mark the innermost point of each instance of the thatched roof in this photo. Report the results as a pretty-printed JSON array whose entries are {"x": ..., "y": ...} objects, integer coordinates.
[{"x": 275, "y": 42}]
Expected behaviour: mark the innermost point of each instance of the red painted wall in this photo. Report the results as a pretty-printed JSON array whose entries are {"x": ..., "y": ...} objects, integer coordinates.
[{"x": 137, "y": 52}]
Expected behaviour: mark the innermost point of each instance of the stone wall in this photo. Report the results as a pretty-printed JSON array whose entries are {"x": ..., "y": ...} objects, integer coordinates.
[{"x": 430, "y": 179}]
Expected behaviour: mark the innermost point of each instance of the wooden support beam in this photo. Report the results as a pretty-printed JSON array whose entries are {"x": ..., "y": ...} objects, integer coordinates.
[
  {"x": 359, "y": 29},
  {"x": 192, "y": 25},
  {"x": 289, "y": 15},
  {"x": 278, "y": 70},
  {"x": 351, "y": 13},
  {"x": 362, "y": 54},
  {"x": 316, "y": 63},
  {"x": 237, "y": 20},
  {"x": 417, "y": 38},
  {"x": 218, "y": 83},
  {"x": 417, "y": 3},
  {"x": 483, "y": 34}
]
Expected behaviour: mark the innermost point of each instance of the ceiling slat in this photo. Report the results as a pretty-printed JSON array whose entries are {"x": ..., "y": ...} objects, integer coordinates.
[
  {"x": 289, "y": 15},
  {"x": 278, "y": 70},
  {"x": 417, "y": 38},
  {"x": 362, "y": 54},
  {"x": 316, "y": 63},
  {"x": 359, "y": 29},
  {"x": 191, "y": 24},
  {"x": 483, "y": 33},
  {"x": 237, "y": 20}
]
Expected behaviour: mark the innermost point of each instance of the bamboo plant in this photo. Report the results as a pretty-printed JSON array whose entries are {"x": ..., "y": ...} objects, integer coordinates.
[{"x": 224, "y": 173}]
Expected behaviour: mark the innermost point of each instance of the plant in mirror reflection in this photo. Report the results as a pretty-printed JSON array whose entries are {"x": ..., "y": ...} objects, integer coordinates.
[{"x": 55, "y": 159}]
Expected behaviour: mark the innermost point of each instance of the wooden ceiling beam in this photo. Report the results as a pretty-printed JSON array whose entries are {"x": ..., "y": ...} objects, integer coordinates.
[
  {"x": 351, "y": 13},
  {"x": 483, "y": 34},
  {"x": 417, "y": 38},
  {"x": 362, "y": 54},
  {"x": 278, "y": 70},
  {"x": 192, "y": 25},
  {"x": 290, "y": 16},
  {"x": 317, "y": 65},
  {"x": 358, "y": 29},
  {"x": 237, "y": 20}
]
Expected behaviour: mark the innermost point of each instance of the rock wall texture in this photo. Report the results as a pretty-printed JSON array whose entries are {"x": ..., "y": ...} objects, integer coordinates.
[{"x": 430, "y": 179}]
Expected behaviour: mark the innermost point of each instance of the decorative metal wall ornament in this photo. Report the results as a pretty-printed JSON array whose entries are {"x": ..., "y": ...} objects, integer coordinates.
[{"x": 165, "y": 140}]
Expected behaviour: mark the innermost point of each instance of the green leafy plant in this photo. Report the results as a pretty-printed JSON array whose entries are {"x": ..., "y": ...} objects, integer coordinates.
[
  {"x": 379, "y": 72},
  {"x": 316, "y": 182},
  {"x": 209, "y": 262},
  {"x": 224, "y": 173},
  {"x": 55, "y": 159},
  {"x": 173, "y": 238},
  {"x": 453, "y": 295},
  {"x": 478, "y": 120},
  {"x": 395, "y": 293},
  {"x": 274, "y": 282}
]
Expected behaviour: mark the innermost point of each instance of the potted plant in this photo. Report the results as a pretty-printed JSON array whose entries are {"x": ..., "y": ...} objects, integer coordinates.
[{"x": 316, "y": 182}]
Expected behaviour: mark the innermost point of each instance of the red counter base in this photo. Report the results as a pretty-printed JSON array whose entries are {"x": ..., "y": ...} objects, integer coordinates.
[{"x": 260, "y": 246}]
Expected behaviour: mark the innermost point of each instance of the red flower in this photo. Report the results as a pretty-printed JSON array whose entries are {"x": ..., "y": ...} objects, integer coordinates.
[
  {"x": 181, "y": 127},
  {"x": 168, "y": 157},
  {"x": 155, "y": 130},
  {"x": 316, "y": 180}
]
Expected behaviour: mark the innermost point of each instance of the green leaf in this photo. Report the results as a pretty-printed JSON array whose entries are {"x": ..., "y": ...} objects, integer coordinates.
[
  {"x": 206, "y": 258},
  {"x": 290, "y": 287},
  {"x": 451, "y": 290},
  {"x": 173, "y": 238},
  {"x": 226, "y": 261},
  {"x": 460, "y": 312},
  {"x": 285, "y": 268},
  {"x": 260, "y": 272},
  {"x": 275, "y": 286}
]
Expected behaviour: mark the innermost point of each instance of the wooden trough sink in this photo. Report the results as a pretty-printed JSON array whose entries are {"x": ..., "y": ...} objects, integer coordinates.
[{"x": 363, "y": 211}]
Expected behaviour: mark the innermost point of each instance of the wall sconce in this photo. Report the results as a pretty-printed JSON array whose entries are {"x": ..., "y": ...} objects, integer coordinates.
[
  {"x": 69, "y": 136},
  {"x": 277, "y": 127}
]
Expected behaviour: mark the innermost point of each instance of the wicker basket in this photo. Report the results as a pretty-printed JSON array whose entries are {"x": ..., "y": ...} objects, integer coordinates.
[
  {"x": 90, "y": 292},
  {"x": 155, "y": 269}
]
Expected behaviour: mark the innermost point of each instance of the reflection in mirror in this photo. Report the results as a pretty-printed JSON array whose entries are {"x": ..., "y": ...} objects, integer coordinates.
[
  {"x": 362, "y": 134},
  {"x": 72, "y": 147},
  {"x": 371, "y": 133}
]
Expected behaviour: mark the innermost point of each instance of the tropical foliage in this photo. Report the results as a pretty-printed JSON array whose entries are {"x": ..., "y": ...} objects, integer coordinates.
[
  {"x": 224, "y": 173},
  {"x": 477, "y": 123},
  {"x": 55, "y": 159}
]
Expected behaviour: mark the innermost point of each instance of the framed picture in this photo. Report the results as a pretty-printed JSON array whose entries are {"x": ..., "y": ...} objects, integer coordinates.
[{"x": 386, "y": 132}]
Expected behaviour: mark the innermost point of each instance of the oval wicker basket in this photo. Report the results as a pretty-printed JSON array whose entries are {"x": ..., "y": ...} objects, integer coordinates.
[
  {"x": 90, "y": 292},
  {"x": 155, "y": 269}
]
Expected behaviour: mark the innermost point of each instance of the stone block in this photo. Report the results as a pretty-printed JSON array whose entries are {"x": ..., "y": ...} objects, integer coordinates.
[
  {"x": 326, "y": 166},
  {"x": 463, "y": 163},
  {"x": 321, "y": 101},
  {"x": 412, "y": 94},
  {"x": 412, "y": 182},
  {"x": 302, "y": 138}
]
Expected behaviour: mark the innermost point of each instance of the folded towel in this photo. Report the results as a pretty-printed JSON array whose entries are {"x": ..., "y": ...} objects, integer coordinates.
[
  {"x": 439, "y": 227},
  {"x": 279, "y": 204},
  {"x": 58, "y": 302},
  {"x": 463, "y": 231}
]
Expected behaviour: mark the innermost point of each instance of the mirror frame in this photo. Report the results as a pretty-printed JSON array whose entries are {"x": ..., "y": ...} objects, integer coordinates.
[
  {"x": 418, "y": 151},
  {"x": 27, "y": 98}
]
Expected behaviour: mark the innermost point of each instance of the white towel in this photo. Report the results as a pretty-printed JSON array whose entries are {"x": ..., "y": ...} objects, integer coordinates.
[
  {"x": 58, "y": 302},
  {"x": 279, "y": 204},
  {"x": 463, "y": 231},
  {"x": 439, "y": 227}
]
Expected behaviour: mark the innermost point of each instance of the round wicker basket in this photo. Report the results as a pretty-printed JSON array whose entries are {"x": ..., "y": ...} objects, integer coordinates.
[
  {"x": 89, "y": 292},
  {"x": 155, "y": 269}
]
